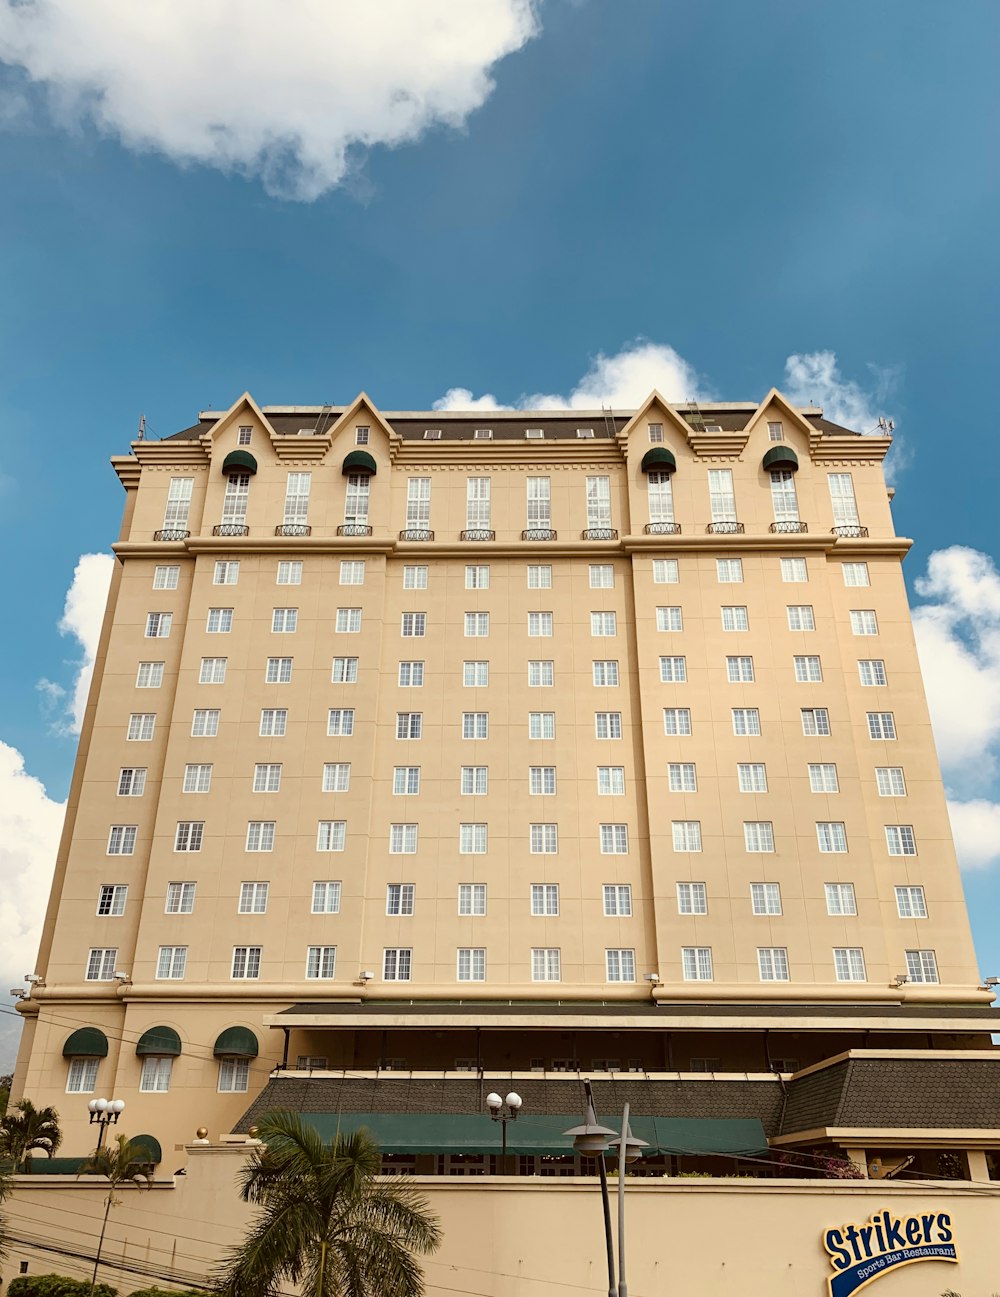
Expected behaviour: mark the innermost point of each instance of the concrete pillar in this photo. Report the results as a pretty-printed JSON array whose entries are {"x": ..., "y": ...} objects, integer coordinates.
[
  {"x": 859, "y": 1157},
  {"x": 978, "y": 1169}
]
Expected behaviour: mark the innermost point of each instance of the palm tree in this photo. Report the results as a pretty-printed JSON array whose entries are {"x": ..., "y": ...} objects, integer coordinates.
[
  {"x": 24, "y": 1128},
  {"x": 327, "y": 1221},
  {"x": 123, "y": 1159}
]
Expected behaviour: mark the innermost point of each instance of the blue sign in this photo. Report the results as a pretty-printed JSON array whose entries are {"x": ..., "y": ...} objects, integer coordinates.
[{"x": 861, "y": 1253}]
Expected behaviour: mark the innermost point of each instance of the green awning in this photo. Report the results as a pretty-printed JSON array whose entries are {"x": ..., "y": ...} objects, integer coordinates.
[
  {"x": 658, "y": 460},
  {"x": 732, "y": 1136},
  {"x": 239, "y": 461},
  {"x": 160, "y": 1041},
  {"x": 781, "y": 457},
  {"x": 236, "y": 1042},
  {"x": 151, "y": 1146},
  {"x": 86, "y": 1042},
  {"x": 359, "y": 461}
]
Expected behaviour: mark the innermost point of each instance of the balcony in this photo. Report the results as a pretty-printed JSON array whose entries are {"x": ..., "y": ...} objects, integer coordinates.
[
  {"x": 789, "y": 527},
  {"x": 416, "y": 533},
  {"x": 662, "y": 529},
  {"x": 293, "y": 529},
  {"x": 230, "y": 529},
  {"x": 171, "y": 533},
  {"x": 539, "y": 533},
  {"x": 477, "y": 533},
  {"x": 599, "y": 533},
  {"x": 725, "y": 529},
  {"x": 851, "y": 530},
  {"x": 354, "y": 529}
]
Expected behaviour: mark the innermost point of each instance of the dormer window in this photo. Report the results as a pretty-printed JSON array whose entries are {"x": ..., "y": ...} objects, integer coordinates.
[
  {"x": 585, "y": 433},
  {"x": 361, "y": 436},
  {"x": 775, "y": 432},
  {"x": 713, "y": 427},
  {"x": 482, "y": 434},
  {"x": 244, "y": 436},
  {"x": 656, "y": 433},
  {"x": 432, "y": 434},
  {"x": 534, "y": 434}
]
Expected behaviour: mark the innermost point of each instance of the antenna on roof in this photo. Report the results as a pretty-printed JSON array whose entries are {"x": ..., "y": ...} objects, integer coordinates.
[
  {"x": 885, "y": 425},
  {"x": 142, "y": 428}
]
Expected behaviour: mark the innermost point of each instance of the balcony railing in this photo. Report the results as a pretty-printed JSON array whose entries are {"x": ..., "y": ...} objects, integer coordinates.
[
  {"x": 539, "y": 533},
  {"x": 851, "y": 530},
  {"x": 662, "y": 529},
  {"x": 599, "y": 533},
  {"x": 230, "y": 529},
  {"x": 789, "y": 527},
  {"x": 354, "y": 529},
  {"x": 416, "y": 533},
  {"x": 293, "y": 529},
  {"x": 725, "y": 529},
  {"x": 171, "y": 533},
  {"x": 477, "y": 533}
]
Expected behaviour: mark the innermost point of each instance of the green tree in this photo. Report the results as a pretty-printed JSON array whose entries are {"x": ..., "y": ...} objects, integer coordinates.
[
  {"x": 24, "y": 1128},
  {"x": 327, "y": 1221},
  {"x": 121, "y": 1160}
]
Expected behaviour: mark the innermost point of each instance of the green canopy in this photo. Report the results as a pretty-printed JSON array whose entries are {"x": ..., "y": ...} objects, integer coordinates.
[
  {"x": 160, "y": 1041},
  {"x": 359, "y": 461},
  {"x": 151, "y": 1145},
  {"x": 86, "y": 1042},
  {"x": 239, "y": 461},
  {"x": 236, "y": 1042},
  {"x": 781, "y": 457},
  {"x": 659, "y": 460}
]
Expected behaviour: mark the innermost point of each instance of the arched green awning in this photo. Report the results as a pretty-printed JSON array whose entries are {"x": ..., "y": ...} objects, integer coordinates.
[
  {"x": 781, "y": 457},
  {"x": 86, "y": 1042},
  {"x": 359, "y": 461},
  {"x": 151, "y": 1145},
  {"x": 236, "y": 1042},
  {"x": 658, "y": 460},
  {"x": 159, "y": 1040},
  {"x": 239, "y": 461}
]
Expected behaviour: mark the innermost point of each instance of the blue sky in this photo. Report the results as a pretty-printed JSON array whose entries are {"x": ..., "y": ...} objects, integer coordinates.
[{"x": 493, "y": 197}]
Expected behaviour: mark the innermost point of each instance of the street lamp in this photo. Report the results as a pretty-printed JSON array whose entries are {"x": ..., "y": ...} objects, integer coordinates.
[
  {"x": 594, "y": 1140},
  {"x": 106, "y": 1113},
  {"x": 497, "y": 1107}
]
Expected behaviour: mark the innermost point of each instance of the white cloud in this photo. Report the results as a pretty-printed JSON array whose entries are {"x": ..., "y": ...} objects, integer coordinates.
[
  {"x": 286, "y": 91},
  {"x": 976, "y": 826},
  {"x": 82, "y": 617},
  {"x": 814, "y": 378}
]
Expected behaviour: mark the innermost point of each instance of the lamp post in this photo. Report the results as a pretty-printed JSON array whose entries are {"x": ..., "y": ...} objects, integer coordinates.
[
  {"x": 106, "y": 1113},
  {"x": 504, "y": 1110}
]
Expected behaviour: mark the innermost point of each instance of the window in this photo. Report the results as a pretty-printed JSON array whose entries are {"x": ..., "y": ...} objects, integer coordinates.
[
  {"x": 348, "y": 621},
  {"x": 356, "y": 498},
  {"x": 432, "y": 434},
  {"x": 673, "y": 670},
  {"x": 361, "y": 436},
  {"x": 856, "y": 574},
  {"x": 267, "y": 777},
  {"x": 121, "y": 839},
  {"x": 668, "y": 619},
  {"x": 180, "y": 898},
  {"x": 82, "y": 1076},
  {"x": 772, "y": 963},
  {"x": 692, "y": 898},
  {"x": 746, "y": 720},
  {"x": 472, "y": 839},
  {"x": 331, "y": 835},
  {"x": 603, "y": 623},
  {"x": 477, "y": 625},
  {"x": 696, "y": 963},
  {"x": 620, "y": 965},
  {"x": 131, "y": 781},
  {"x": 482, "y": 434},
  {"x": 921, "y": 966},
  {"x": 336, "y": 777},
  {"x": 539, "y": 502},
  {"x": 284, "y": 621},
  {"x": 889, "y": 781},
  {"x": 189, "y": 835},
  {"x": 666, "y": 571},
  {"x": 845, "y": 509},
  {"x": 655, "y": 431},
  {"x": 472, "y": 898},
  {"x": 297, "y": 490},
  {"x": 475, "y": 725},
  {"x": 758, "y": 835},
  {"x": 752, "y": 777},
  {"x": 900, "y": 840},
  {"x": 414, "y": 625},
  {"x": 720, "y": 495},
  {"x": 832, "y": 837},
  {"x": 149, "y": 675},
  {"x": 545, "y": 899},
  {"x": 477, "y": 577},
  {"x": 601, "y": 576},
  {"x": 260, "y": 835},
  {"x": 614, "y": 839},
  {"x": 659, "y": 497},
  {"x": 735, "y": 618},
  {"x": 253, "y": 898},
  {"x": 155, "y": 1075},
  {"x": 399, "y": 897},
  {"x": 849, "y": 963},
  {"x": 605, "y": 674},
  {"x": 687, "y": 835},
  {"x": 477, "y": 502},
  {"x": 585, "y": 433},
  {"x": 227, "y": 571},
  {"x": 794, "y": 569},
  {"x": 234, "y": 1075},
  {"x": 543, "y": 839},
  {"x": 397, "y": 962},
  {"x": 783, "y": 500},
  {"x": 815, "y": 721},
  {"x": 402, "y": 839},
  {"x": 111, "y": 900},
  {"x": 158, "y": 624},
  {"x": 864, "y": 622},
  {"x": 279, "y": 671},
  {"x": 405, "y": 781},
  {"x": 326, "y": 898},
  {"x": 765, "y": 898},
  {"x": 246, "y": 962},
  {"x": 539, "y": 576},
  {"x": 677, "y": 720},
  {"x": 213, "y": 671},
  {"x": 881, "y": 725},
  {"x": 140, "y": 727},
  {"x": 352, "y": 571},
  {"x": 840, "y": 899},
  {"x": 542, "y": 781},
  {"x": 539, "y": 625},
  {"x": 220, "y": 621},
  {"x": 911, "y": 903},
  {"x": 340, "y": 722},
  {"x": 541, "y": 675},
  {"x": 166, "y": 576},
  {"x": 871, "y": 671},
  {"x": 611, "y": 781},
  {"x": 171, "y": 962},
  {"x": 739, "y": 670},
  {"x": 345, "y": 671},
  {"x": 807, "y": 669},
  {"x": 608, "y": 725},
  {"x": 415, "y": 576},
  {"x": 471, "y": 965},
  {"x": 545, "y": 964},
  {"x": 175, "y": 516},
  {"x": 321, "y": 961},
  {"x": 101, "y": 964},
  {"x": 541, "y": 725},
  {"x": 475, "y": 674},
  {"x": 729, "y": 571},
  {"x": 236, "y": 499},
  {"x": 681, "y": 777},
  {"x": 775, "y": 432},
  {"x": 409, "y": 725},
  {"x": 801, "y": 616},
  {"x": 598, "y": 502},
  {"x": 617, "y": 901},
  {"x": 823, "y": 778}
]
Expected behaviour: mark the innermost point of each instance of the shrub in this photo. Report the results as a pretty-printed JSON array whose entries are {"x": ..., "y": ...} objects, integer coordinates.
[
  {"x": 55, "y": 1285},
  {"x": 169, "y": 1292}
]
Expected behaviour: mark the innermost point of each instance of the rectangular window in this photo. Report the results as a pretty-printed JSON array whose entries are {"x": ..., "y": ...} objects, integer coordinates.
[
  {"x": 673, "y": 670},
  {"x": 739, "y": 670},
  {"x": 361, "y": 436},
  {"x": 617, "y": 901},
  {"x": 415, "y": 576},
  {"x": 864, "y": 622},
  {"x": 260, "y": 835},
  {"x": 321, "y": 962},
  {"x": 666, "y": 571},
  {"x": 696, "y": 963},
  {"x": 279, "y": 671},
  {"x": 413, "y": 625},
  {"x": 890, "y": 781},
  {"x": 213, "y": 671},
  {"x": 840, "y": 899},
  {"x": 405, "y": 781},
  {"x": 758, "y": 835},
  {"x": 845, "y": 509},
  {"x": 659, "y": 497},
  {"x": 235, "y": 500},
  {"x": 482, "y": 434},
  {"x": 409, "y": 725},
  {"x": 603, "y": 623},
  {"x": 158, "y": 624},
  {"x": 131, "y": 781},
  {"x": 807, "y": 669},
  {"x": 246, "y": 963},
  {"x": 397, "y": 964},
  {"x": 539, "y": 502},
  {"x": 619, "y": 965},
  {"x": 477, "y": 576},
  {"x": 253, "y": 898},
  {"x": 475, "y": 725},
  {"x": 267, "y": 777},
  {"x": 601, "y": 576},
  {"x": 823, "y": 778},
  {"x": 543, "y": 839},
  {"x": 541, "y": 725},
  {"x": 608, "y": 725},
  {"x": 849, "y": 963},
  {"x": 171, "y": 961},
  {"x": 348, "y": 621},
  {"x": 539, "y": 576},
  {"x": 720, "y": 495},
  {"x": 687, "y": 835},
  {"x": 900, "y": 840},
  {"x": 921, "y": 966},
  {"x": 344, "y": 671},
  {"x": 82, "y": 1076},
  {"x": 692, "y": 898},
  {"x": 611, "y": 781},
  {"x": 111, "y": 900},
  {"x": 871, "y": 671},
  {"x": 336, "y": 777},
  {"x": 472, "y": 839},
  {"x": 541, "y": 675},
  {"x": 226, "y": 572},
  {"x": 765, "y": 898},
  {"x": 614, "y": 839},
  {"x": 175, "y": 516},
  {"x": 605, "y": 674},
  {"x": 189, "y": 835},
  {"x": 471, "y": 966},
  {"x": 352, "y": 571},
  {"x": 402, "y": 839},
  {"x": 832, "y": 837},
  {"x": 477, "y": 502},
  {"x": 801, "y": 616},
  {"x": 669, "y": 619},
  {"x": 411, "y": 675},
  {"x": 772, "y": 963},
  {"x": 794, "y": 569},
  {"x": 399, "y": 899},
  {"x": 746, "y": 720},
  {"x": 220, "y": 621},
  {"x": 472, "y": 898},
  {"x": 475, "y": 674},
  {"x": 121, "y": 839},
  {"x": 477, "y": 625},
  {"x": 752, "y": 777},
  {"x": 681, "y": 777},
  {"x": 418, "y": 517},
  {"x": 545, "y": 964},
  {"x": 284, "y": 621},
  {"x": 783, "y": 499},
  {"x": 542, "y": 781},
  {"x": 911, "y": 903},
  {"x": 815, "y": 721},
  {"x": 856, "y": 574},
  {"x": 326, "y": 898},
  {"x": 180, "y": 898},
  {"x": 775, "y": 432},
  {"x": 101, "y": 964},
  {"x": 598, "y": 502},
  {"x": 539, "y": 625},
  {"x": 677, "y": 720},
  {"x": 140, "y": 727},
  {"x": 356, "y": 499},
  {"x": 729, "y": 571},
  {"x": 881, "y": 725},
  {"x": 655, "y": 431},
  {"x": 331, "y": 835},
  {"x": 297, "y": 490},
  {"x": 155, "y": 1075},
  {"x": 149, "y": 675},
  {"x": 340, "y": 722},
  {"x": 735, "y": 618},
  {"x": 166, "y": 576}
]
